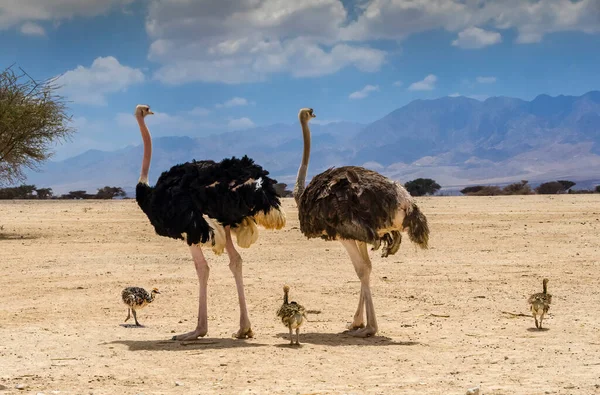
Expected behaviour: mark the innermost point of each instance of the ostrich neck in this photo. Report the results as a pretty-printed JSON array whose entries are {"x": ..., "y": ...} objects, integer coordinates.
[
  {"x": 545, "y": 288},
  {"x": 285, "y": 298},
  {"x": 147, "y": 150},
  {"x": 301, "y": 179}
]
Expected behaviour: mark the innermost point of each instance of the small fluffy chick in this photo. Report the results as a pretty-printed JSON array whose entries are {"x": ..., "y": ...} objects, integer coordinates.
[
  {"x": 137, "y": 298},
  {"x": 540, "y": 304},
  {"x": 292, "y": 315}
]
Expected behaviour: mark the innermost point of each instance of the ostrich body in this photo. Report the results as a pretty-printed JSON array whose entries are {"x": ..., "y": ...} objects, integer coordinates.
[
  {"x": 540, "y": 304},
  {"x": 204, "y": 203},
  {"x": 292, "y": 315},
  {"x": 137, "y": 298},
  {"x": 356, "y": 206}
]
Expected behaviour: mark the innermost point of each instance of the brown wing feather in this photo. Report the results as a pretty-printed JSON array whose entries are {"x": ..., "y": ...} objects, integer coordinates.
[{"x": 348, "y": 202}]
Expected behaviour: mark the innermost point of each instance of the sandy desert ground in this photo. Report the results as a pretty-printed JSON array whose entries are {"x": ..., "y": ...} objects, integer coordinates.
[{"x": 443, "y": 312}]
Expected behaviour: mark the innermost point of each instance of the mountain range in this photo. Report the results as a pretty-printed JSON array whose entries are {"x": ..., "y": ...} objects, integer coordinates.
[{"x": 457, "y": 141}]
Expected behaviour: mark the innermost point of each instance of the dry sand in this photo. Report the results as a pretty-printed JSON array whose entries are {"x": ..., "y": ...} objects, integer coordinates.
[{"x": 441, "y": 312}]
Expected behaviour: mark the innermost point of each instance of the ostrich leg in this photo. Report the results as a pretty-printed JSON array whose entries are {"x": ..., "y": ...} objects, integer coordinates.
[
  {"x": 359, "y": 316},
  {"x": 362, "y": 265},
  {"x": 235, "y": 265},
  {"x": 202, "y": 270}
]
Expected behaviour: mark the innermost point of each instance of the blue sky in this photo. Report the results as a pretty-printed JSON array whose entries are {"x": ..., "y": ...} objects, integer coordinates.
[{"x": 211, "y": 66}]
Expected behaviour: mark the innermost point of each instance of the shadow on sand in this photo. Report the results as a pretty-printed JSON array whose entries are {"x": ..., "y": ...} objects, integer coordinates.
[
  {"x": 176, "y": 345},
  {"x": 537, "y": 330},
  {"x": 11, "y": 236},
  {"x": 342, "y": 339}
]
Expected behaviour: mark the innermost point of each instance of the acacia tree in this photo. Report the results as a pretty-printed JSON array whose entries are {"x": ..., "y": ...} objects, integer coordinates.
[
  {"x": 32, "y": 119},
  {"x": 110, "y": 192}
]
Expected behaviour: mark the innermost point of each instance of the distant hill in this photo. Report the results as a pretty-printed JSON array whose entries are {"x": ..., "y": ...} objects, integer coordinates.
[{"x": 458, "y": 141}]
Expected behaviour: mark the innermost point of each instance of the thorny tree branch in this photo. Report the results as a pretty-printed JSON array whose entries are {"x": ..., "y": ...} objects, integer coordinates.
[{"x": 32, "y": 118}]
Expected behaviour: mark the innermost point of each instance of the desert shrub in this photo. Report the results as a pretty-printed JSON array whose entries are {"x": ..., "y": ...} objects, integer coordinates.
[
  {"x": 470, "y": 190},
  {"x": 110, "y": 192},
  {"x": 518, "y": 188},
  {"x": 281, "y": 189},
  {"x": 550, "y": 188},
  {"x": 597, "y": 190},
  {"x": 77, "y": 195},
  {"x": 491, "y": 190},
  {"x": 422, "y": 187}
]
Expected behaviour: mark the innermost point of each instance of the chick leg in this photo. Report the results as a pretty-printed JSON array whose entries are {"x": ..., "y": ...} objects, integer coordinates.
[
  {"x": 298, "y": 336},
  {"x": 128, "y": 315},
  {"x": 542, "y": 319},
  {"x": 291, "y": 336}
]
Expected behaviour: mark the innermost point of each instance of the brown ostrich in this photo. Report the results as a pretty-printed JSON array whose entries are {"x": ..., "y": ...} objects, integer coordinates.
[{"x": 356, "y": 206}]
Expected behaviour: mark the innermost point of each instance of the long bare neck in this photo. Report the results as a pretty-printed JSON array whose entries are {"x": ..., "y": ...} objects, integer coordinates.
[
  {"x": 285, "y": 297},
  {"x": 147, "y": 150},
  {"x": 545, "y": 285},
  {"x": 301, "y": 179}
]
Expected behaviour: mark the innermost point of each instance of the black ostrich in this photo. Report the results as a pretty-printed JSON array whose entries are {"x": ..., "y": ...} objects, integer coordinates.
[
  {"x": 356, "y": 206},
  {"x": 203, "y": 203}
]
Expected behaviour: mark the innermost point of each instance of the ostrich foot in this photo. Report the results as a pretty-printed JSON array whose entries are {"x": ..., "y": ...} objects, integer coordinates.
[
  {"x": 193, "y": 335},
  {"x": 367, "y": 331},
  {"x": 355, "y": 326},
  {"x": 244, "y": 334}
]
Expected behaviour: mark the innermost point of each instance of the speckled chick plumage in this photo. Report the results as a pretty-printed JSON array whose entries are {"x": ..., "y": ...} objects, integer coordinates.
[
  {"x": 137, "y": 298},
  {"x": 292, "y": 315},
  {"x": 540, "y": 304}
]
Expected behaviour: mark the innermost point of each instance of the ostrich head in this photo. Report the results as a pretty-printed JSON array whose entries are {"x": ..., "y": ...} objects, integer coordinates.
[
  {"x": 143, "y": 110},
  {"x": 155, "y": 291},
  {"x": 306, "y": 114}
]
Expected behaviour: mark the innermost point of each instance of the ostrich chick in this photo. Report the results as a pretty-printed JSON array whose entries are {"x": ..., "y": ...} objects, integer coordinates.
[
  {"x": 292, "y": 315},
  {"x": 137, "y": 298},
  {"x": 540, "y": 303}
]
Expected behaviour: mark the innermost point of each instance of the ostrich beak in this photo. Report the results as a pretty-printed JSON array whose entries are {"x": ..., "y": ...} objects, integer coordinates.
[{"x": 150, "y": 112}]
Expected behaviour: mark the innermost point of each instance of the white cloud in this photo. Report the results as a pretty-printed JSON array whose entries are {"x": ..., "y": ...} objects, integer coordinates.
[
  {"x": 456, "y": 94},
  {"x": 364, "y": 92},
  {"x": 486, "y": 80},
  {"x": 240, "y": 123},
  {"x": 16, "y": 12},
  {"x": 234, "y": 102},
  {"x": 91, "y": 85},
  {"x": 199, "y": 111},
  {"x": 476, "y": 38},
  {"x": 32, "y": 29},
  {"x": 237, "y": 41},
  {"x": 397, "y": 19},
  {"x": 398, "y": 83},
  {"x": 427, "y": 84}
]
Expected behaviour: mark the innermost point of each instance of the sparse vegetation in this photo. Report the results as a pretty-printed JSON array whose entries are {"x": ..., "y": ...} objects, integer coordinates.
[
  {"x": 25, "y": 192},
  {"x": 490, "y": 190},
  {"x": 553, "y": 187},
  {"x": 32, "y": 119},
  {"x": 422, "y": 187},
  {"x": 470, "y": 190},
  {"x": 110, "y": 192},
  {"x": 518, "y": 188},
  {"x": 281, "y": 189}
]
